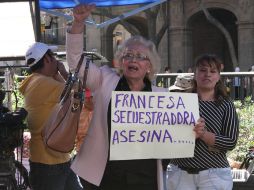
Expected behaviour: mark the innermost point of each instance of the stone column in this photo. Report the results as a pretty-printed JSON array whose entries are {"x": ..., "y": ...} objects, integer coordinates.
[
  {"x": 180, "y": 51},
  {"x": 245, "y": 45},
  {"x": 180, "y": 46},
  {"x": 245, "y": 34}
]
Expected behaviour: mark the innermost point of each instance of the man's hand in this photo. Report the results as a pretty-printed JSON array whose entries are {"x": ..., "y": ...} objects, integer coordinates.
[{"x": 62, "y": 70}]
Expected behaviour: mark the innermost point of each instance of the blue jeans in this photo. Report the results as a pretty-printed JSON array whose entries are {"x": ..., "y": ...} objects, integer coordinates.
[
  {"x": 165, "y": 180},
  {"x": 53, "y": 177},
  {"x": 211, "y": 179}
]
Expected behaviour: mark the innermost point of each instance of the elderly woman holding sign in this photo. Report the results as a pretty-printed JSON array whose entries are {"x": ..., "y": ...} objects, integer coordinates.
[
  {"x": 209, "y": 168},
  {"x": 138, "y": 62}
]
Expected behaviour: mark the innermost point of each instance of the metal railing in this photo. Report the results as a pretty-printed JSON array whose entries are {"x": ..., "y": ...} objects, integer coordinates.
[{"x": 239, "y": 84}]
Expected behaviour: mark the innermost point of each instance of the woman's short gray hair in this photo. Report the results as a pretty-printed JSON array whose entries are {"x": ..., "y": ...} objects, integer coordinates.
[{"x": 152, "y": 54}]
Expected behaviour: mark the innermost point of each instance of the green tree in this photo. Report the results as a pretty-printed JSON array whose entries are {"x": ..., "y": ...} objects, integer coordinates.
[{"x": 245, "y": 112}]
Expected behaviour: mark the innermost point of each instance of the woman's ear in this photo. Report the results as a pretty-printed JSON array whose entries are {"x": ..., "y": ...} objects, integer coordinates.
[{"x": 149, "y": 69}]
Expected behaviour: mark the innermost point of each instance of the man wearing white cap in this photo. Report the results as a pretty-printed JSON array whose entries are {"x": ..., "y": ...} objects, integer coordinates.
[{"x": 49, "y": 170}]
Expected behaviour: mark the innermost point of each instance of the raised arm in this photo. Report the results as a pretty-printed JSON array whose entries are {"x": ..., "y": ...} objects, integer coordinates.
[
  {"x": 74, "y": 36},
  {"x": 74, "y": 47}
]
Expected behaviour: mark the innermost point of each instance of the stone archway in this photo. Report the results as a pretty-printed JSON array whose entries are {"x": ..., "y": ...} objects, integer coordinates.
[
  {"x": 107, "y": 40},
  {"x": 140, "y": 23},
  {"x": 206, "y": 38}
]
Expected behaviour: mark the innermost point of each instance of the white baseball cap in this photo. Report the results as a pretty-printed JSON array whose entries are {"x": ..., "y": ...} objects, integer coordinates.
[{"x": 37, "y": 51}]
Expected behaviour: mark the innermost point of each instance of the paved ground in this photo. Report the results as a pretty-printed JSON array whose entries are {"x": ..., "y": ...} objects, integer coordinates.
[{"x": 249, "y": 185}]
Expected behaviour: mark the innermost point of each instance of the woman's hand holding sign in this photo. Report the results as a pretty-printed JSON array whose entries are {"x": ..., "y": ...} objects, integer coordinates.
[
  {"x": 199, "y": 128},
  {"x": 202, "y": 133}
]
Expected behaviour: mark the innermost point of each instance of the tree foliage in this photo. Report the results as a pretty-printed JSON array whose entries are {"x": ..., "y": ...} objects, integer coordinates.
[{"x": 245, "y": 112}]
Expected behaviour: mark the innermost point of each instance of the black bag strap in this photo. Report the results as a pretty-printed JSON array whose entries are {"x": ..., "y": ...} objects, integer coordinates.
[
  {"x": 71, "y": 80},
  {"x": 79, "y": 65},
  {"x": 85, "y": 73}
]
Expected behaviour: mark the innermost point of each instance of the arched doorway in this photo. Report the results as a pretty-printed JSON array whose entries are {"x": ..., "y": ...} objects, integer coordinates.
[
  {"x": 207, "y": 38},
  {"x": 117, "y": 33}
]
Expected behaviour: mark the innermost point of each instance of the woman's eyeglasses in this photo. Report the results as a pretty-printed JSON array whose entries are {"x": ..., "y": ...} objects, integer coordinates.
[{"x": 138, "y": 57}]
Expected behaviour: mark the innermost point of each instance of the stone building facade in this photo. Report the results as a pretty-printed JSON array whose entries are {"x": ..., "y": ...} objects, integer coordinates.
[{"x": 189, "y": 33}]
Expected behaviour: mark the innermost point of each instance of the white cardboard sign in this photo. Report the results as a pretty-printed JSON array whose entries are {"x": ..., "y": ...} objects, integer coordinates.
[{"x": 152, "y": 125}]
